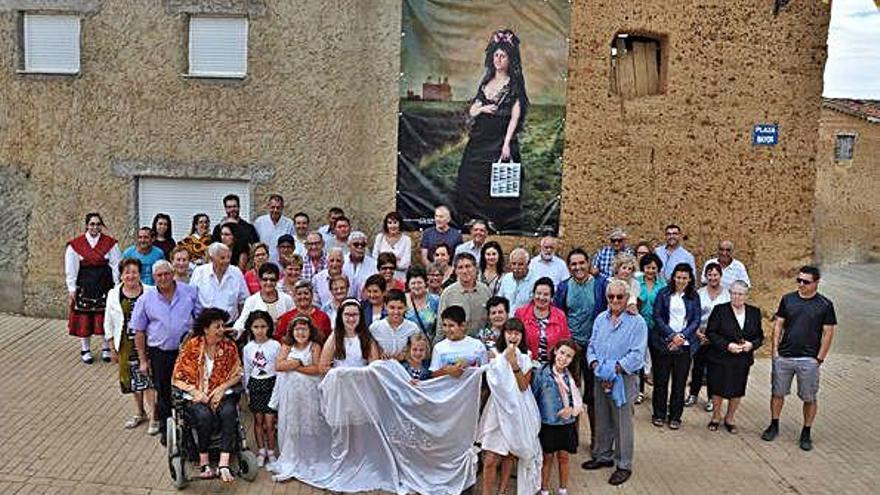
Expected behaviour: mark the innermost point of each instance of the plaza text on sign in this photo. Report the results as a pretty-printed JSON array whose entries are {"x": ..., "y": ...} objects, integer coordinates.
[{"x": 765, "y": 135}]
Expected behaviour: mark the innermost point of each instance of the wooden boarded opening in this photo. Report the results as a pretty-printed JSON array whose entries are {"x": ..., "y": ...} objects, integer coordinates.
[{"x": 635, "y": 65}]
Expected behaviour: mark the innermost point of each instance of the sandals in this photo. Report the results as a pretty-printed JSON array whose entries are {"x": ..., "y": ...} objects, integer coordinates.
[
  {"x": 732, "y": 429},
  {"x": 134, "y": 421},
  {"x": 225, "y": 474},
  {"x": 713, "y": 425},
  {"x": 207, "y": 473}
]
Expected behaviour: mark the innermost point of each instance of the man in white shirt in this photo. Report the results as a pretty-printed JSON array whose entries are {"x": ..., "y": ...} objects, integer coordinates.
[
  {"x": 731, "y": 269},
  {"x": 220, "y": 284},
  {"x": 341, "y": 238},
  {"x": 393, "y": 332},
  {"x": 273, "y": 225},
  {"x": 358, "y": 264},
  {"x": 547, "y": 264},
  {"x": 301, "y": 222},
  {"x": 479, "y": 232},
  {"x": 326, "y": 230},
  {"x": 517, "y": 284}
]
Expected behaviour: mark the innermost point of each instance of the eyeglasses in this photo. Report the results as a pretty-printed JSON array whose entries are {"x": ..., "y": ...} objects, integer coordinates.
[
  {"x": 672, "y": 233},
  {"x": 359, "y": 244},
  {"x": 616, "y": 240},
  {"x": 726, "y": 250},
  {"x": 387, "y": 268},
  {"x": 642, "y": 253},
  {"x": 616, "y": 297},
  {"x": 94, "y": 224},
  {"x": 269, "y": 279},
  {"x": 313, "y": 243},
  {"x": 803, "y": 281}
]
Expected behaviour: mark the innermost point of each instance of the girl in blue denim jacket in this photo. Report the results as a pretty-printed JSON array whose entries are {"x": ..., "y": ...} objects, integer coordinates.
[{"x": 560, "y": 404}]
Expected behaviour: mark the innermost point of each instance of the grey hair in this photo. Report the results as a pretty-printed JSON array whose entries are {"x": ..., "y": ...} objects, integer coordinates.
[
  {"x": 519, "y": 251},
  {"x": 618, "y": 283},
  {"x": 215, "y": 248},
  {"x": 335, "y": 249},
  {"x": 740, "y": 284},
  {"x": 162, "y": 264}
]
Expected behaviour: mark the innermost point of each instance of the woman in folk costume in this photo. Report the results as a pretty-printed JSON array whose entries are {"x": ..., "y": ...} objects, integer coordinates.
[
  {"x": 91, "y": 269},
  {"x": 511, "y": 421}
]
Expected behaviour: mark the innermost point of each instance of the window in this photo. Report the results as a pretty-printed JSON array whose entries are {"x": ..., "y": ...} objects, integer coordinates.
[
  {"x": 218, "y": 46},
  {"x": 51, "y": 43},
  {"x": 183, "y": 198},
  {"x": 635, "y": 66},
  {"x": 844, "y": 146}
]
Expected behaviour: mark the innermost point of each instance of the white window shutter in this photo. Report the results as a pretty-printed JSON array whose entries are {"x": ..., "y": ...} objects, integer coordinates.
[
  {"x": 51, "y": 43},
  {"x": 183, "y": 198},
  {"x": 218, "y": 46}
]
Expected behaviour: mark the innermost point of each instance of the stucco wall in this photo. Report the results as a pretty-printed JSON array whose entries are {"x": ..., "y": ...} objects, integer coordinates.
[
  {"x": 317, "y": 113},
  {"x": 318, "y": 109},
  {"x": 686, "y": 156},
  {"x": 847, "y": 202}
]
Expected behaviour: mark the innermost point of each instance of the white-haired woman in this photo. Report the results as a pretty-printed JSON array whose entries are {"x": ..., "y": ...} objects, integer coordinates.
[{"x": 734, "y": 332}]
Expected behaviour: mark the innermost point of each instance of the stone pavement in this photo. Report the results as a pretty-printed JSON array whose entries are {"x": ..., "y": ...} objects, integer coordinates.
[{"x": 61, "y": 427}]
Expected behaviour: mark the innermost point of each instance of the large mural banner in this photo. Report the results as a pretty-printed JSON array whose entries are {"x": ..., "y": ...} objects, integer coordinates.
[{"x": 482, "y": 112}]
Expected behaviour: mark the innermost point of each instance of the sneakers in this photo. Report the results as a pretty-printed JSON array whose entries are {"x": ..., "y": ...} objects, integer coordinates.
[
  {"x": 674, "y": 425},
  {"x": 594, "y": 464},
  {"x": 261, "y": 458},
  {"x": 86, "y": 357},
  {"x": 770, "y": 433},
  {"x": 619, "y": 477},
  {"x": 105, "y": 355},
  {"x": 806, "y": 443},
  {"x": 658, "y": 422},
  {"x": 153, "y": 429},
  {"x": 690, "y": 401},
  {"x": 710, "y": 406},
  {"x": 270, "y": 457},
  {"x": 640, "y": 398}
]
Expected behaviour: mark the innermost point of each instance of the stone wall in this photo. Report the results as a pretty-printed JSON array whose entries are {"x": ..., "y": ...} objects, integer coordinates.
[
  {"x": 847, "y": 203},
  {"x": 317, "y": 114}
]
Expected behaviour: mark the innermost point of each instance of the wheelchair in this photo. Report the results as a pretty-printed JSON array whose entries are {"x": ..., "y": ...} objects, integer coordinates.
[{"x": 183, "y": 452}]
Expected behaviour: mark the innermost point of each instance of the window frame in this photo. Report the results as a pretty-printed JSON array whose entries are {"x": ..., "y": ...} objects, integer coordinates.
[
  {"x": 190, "y": 73},
  {"x": 24, "y": 53},
  {"x": 853, "y": 136}
]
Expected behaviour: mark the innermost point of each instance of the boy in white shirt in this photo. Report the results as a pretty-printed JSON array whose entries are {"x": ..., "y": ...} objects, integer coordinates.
[
  {"x": 393, "y": 332},
  {"x": 457, "y": 351}
]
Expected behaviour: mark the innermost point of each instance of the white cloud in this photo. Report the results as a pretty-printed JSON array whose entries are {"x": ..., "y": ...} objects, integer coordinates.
[{"x": 853, "y": 66}]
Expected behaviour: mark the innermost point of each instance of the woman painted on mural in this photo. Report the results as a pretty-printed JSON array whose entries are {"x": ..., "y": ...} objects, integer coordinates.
[{"x": 498, "y": 112}]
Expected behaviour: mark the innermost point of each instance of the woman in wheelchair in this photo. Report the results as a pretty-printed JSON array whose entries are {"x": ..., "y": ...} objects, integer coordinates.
[{"x": 207, "y": 368}]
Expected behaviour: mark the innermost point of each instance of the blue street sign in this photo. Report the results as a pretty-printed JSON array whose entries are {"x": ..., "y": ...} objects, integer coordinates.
[{"x": 765, "y": 135}]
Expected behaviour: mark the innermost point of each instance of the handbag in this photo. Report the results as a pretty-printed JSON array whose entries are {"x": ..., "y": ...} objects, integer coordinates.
[{"x": 505, "y": 180}]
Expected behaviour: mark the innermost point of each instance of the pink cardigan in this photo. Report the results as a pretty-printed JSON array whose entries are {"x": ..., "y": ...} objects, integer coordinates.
[{"x": 557, "y": 328}]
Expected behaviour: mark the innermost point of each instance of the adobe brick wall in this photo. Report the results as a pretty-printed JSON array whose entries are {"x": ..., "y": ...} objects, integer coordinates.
[
  {"x": 847, "y": 206},
  {"x": 316, "y": 116},
  {"x": 686, "y": 156}
]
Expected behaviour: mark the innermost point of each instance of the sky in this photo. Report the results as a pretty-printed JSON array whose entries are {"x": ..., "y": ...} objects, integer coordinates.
[{"x": 853, "y": 66}]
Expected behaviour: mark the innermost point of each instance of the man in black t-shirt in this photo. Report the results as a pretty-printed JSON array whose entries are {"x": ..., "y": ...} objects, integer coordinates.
[{"x": 802, "y": 334}]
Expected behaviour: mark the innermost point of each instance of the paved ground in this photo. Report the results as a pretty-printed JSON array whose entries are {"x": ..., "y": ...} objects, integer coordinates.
[{"x": 61, "y": 423}]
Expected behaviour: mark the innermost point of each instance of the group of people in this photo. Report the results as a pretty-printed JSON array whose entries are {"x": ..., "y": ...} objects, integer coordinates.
[{"x": 274, "y": 306}]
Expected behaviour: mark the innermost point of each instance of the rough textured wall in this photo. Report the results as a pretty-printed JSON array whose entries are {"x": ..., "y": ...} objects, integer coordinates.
[
  {"x": 686, "y": 156},
  {"x": 316, "y": 118},
  {"x": 847, "y": 203},
  {"x": 318, "y": 107}
]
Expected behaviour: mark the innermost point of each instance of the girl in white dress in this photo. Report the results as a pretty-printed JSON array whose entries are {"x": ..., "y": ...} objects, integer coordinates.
[
  {"x": 510, "y": 422},
  {"x": 303, "y": 434},
  {"x": 351, "y": 343}
]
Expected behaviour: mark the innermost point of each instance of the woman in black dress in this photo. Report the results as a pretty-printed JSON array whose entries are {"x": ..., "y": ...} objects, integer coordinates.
[
  {"x": 498, "y": 112},
  {"x": 734, "y": 332}
]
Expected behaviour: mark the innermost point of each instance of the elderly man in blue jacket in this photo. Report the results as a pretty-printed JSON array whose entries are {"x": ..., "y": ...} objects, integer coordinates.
[{"x": 615, "y": 354}]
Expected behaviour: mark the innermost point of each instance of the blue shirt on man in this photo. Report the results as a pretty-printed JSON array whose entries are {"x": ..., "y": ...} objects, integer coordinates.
[
  {"x": 147, "y": 260},
  {"x": 166, "y": 322},
  {"x": 623, "y": 342},
  {"x": 674, "y": 257}
]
